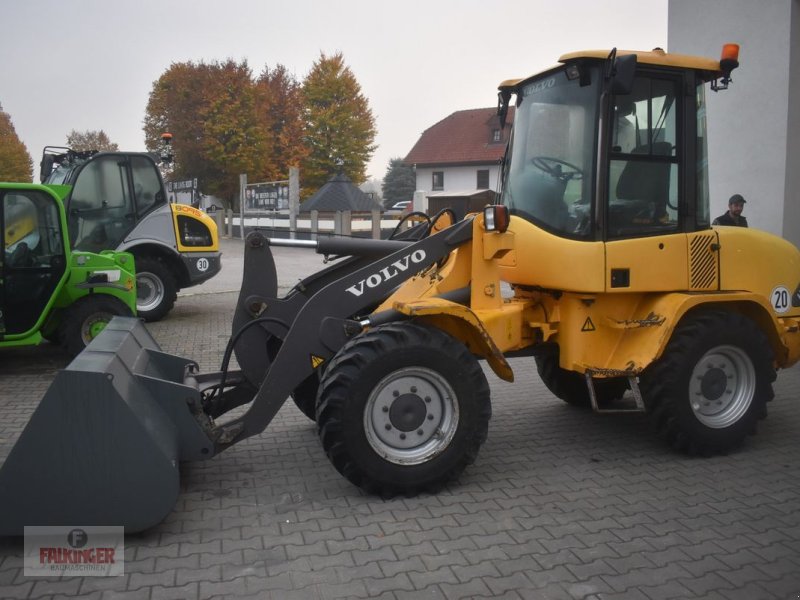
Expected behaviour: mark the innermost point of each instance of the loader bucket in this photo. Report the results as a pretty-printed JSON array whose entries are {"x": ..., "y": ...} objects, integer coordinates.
[{"x": 103, "y": 446}]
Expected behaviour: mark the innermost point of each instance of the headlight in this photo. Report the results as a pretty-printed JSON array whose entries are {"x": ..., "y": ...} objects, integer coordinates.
[{"x": 193, "y": 232}]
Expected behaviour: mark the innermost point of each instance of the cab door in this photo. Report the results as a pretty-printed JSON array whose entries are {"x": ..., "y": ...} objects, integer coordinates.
[
  {"x": 101, "y": 206},
  {"x": 34, "y": 257},
  {"x": 646, "y": 247}
]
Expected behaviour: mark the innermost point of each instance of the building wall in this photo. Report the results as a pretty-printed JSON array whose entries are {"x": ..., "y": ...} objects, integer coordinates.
[
  {"x": 752, "y": 127},
  {"x": 457, "y": 178}
]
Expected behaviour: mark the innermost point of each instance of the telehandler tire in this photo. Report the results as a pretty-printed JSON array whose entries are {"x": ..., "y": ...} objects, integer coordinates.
[
  {"x": 86, "y": 318},
  {"x": 571, "y": 387},
  {"x": 403, "y": 408},
  {"x": 711, "y": 386},
  {"x": 156, "y": 289}
]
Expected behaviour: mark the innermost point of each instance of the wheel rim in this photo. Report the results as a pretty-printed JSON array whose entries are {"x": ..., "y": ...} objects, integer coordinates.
[
  {"x": 411, "y": 416},
  {"x": 722, "y": 386},
  {"x": 92, "y": 326},
  {"x": 149, "y": 291}
]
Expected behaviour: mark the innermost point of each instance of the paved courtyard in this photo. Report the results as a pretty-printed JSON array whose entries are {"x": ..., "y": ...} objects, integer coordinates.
[{"x": 561, "y": 504}]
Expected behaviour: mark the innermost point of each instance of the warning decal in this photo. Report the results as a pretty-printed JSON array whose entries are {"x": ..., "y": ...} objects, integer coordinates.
[
  {"x": 316, "y": 361},
  {"x": 588, "y": 325}
]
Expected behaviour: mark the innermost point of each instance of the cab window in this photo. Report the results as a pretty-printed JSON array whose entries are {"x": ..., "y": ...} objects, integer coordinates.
[{"x": 643, "y": 167}]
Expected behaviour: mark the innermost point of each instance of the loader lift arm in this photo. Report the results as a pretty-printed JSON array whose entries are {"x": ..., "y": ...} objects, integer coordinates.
[{"x": 319, "y": 325}]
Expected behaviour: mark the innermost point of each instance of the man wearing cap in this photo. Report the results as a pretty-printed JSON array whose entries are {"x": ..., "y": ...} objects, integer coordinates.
[{"x": 734, "y": 215}]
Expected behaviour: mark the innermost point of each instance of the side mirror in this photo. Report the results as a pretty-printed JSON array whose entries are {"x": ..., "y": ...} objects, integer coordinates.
[{"x": 623, "y": 71}]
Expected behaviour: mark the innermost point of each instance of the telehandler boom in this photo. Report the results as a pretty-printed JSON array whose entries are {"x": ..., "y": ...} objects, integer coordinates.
[{"x": 599, "y": 263}]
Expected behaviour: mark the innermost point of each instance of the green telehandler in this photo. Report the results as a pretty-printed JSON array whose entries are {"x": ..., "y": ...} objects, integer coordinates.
[{"x": 48, "y": 291}]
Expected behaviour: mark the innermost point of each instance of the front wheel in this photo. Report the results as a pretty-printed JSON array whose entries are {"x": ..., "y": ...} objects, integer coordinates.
[
  {"x": 403, "y": 408},
  {"x": 86, "y": 318},
  {"x": 711, "y": 386},
  {"x": 156, "y": 289}
]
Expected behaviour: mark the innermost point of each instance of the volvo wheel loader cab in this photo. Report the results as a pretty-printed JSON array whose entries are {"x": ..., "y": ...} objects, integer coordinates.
[
  {"x": 48, "y": 291},
  {"x": 600, "y": 269},
  {"x": 117, "y": 201}
]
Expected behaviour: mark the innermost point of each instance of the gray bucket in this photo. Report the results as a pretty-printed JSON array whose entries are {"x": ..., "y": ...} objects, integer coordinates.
[{"x": 104, "y": 444}]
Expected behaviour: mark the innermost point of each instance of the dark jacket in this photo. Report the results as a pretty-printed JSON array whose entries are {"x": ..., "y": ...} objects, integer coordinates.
[{"x": 727, "y": 219}]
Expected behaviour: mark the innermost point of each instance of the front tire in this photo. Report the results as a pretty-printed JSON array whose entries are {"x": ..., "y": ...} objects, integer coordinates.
[
  {"x": 711, "y": 386},
  {"x": 86, "y": 318},
  {"x": 156, "y": 289},
  {"x": 403, "y": 408}
]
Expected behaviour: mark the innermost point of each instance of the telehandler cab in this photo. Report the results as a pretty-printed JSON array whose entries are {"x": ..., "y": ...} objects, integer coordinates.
[
  {"x": 117, "y": 201},
  {"x": 48, "y": 291},
  {"x": 600, "y": 263}
]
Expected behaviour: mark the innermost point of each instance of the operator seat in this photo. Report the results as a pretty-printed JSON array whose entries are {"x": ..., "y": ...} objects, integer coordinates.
[{"x": 645, "y": 185}]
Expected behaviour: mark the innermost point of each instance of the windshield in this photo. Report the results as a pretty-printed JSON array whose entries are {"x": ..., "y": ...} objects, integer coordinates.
[{"x": 548, "y": 176}]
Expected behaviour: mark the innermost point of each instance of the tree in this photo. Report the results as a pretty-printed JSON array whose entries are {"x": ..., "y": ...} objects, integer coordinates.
[
  {"x": 281, "y": 111},
  {"x": 16, "y": 163},
  {"x": 399, "y": 183},
  {"x": 212, "y": 110},
  {"x": 90, "y": 140},
  {"x": 339, "y": 126}
]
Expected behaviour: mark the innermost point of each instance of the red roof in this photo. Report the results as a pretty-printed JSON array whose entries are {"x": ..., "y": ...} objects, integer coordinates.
[{"x": 465, "y": 137}]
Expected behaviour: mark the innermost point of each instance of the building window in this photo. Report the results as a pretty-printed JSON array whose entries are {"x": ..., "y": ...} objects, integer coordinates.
[
  {"x": 438, "y": 181},
  {"x": 483, "y": 179},
  {"x": 497, "y": 136}
]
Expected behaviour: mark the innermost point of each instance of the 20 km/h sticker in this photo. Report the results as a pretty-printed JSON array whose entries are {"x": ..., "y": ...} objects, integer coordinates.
[{"x": 781, "y": 299}]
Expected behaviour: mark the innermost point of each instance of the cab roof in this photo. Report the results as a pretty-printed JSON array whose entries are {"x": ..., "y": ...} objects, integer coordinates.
[{"x": 656, "y": 56}]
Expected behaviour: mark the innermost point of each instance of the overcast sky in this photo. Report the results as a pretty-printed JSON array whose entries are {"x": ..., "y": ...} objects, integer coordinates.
[{"x": 91, "y": 64}]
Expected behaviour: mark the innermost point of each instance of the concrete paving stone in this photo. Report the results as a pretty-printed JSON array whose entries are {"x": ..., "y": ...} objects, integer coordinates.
[
  {"x": 435, "y": 559},
  {"x": 458, "y": 543},
  {"x": 211, "y": 573},
  {"x": 419, "y": 549},
  {"x": 230, "y": 571},
  {"x": 429, "y": 593},
  {"x": 139, "y": 580},
  {"x": 100, "y": 584},
  {"x": 190, "y": 590},
  {"x": 563, "y": 542},
  {"x": 701, "y": 566},
  {"x": 425, "y": 578},
  {"x": 140, "y": 594},
  {"x": 522, "y": 564},
  {"x": 390, "y": 568},
  {"x": 707, "y": 548},
  {"x": 401, "y": 581},
  {"x": 706, "y": 584},
  {"x": 587, "y": 570},
  {"x": 745, "y": 574},
  {"x": 458, "y": 591},
  {"x": 363, "y": 557},
  {"x": 17, "y": 590},
  {"x": 93, "y": 596}
]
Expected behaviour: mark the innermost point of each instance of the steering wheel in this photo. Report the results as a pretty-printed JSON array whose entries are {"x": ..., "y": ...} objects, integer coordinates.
[{"x": 553, "y": 167}]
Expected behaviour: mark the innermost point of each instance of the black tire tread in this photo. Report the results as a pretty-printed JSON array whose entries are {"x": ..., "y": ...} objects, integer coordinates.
[
  {"x": 662, "y": 401},
  {"x": 346, "y": 368}
]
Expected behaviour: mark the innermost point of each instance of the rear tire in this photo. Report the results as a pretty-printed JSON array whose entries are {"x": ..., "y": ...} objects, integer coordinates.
[
  {"x": 571, "y": 387},
  {"x": 711, "y": 386},
  {"x": 86, "y": 318},
  {"x": 403, "y": 408},
  {"x": 156, "y": 289}
]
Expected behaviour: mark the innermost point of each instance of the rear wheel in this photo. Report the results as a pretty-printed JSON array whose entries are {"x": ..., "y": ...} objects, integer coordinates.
[
  {"x": 711, "y": 386},
  {"x": 156, "y": 289},
  {"x": 86, "y": 318},
  {"x": 403, "y": 408},
  {"x": 571, "y": 387}
]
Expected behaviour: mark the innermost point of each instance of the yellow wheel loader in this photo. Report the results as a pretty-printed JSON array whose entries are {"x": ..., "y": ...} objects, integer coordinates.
[{"x": 599, "y": 264}]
